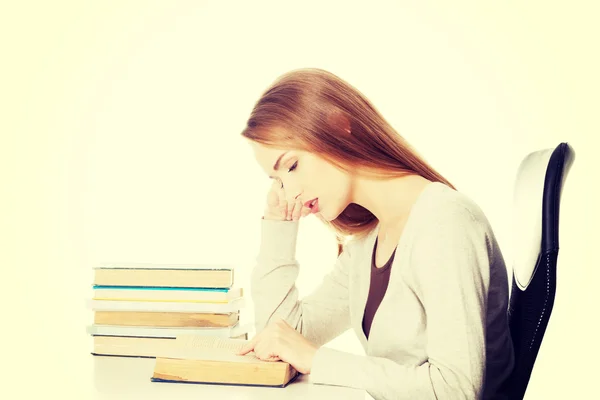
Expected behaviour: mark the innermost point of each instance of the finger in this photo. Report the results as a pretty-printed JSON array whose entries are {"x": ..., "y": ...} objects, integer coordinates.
[
  {"x": 249, "y": 346},
  {"x": 283, "y": 204},
  {"x": 280, "y": 190},
  {"x": 293, "y": 206},
  {"x": 297, "y": 210},
  {"x": 273, "y": 195},
  {"x": 265, "y": 351},
  {"x": 305, "y": 211},
  {"x": 267, "y": 357}
]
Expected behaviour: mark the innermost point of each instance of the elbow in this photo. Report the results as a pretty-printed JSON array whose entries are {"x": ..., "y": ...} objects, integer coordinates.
[{"x": 449, "y": 384}]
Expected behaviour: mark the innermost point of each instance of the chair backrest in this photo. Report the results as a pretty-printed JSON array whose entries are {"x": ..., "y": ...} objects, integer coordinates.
[{"x": 537, "y": 195}]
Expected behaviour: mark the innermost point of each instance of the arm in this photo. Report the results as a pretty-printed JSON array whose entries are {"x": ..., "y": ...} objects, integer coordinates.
[
  {"x": 320, "y": 316},
  {"x": 449, "y": 265}
]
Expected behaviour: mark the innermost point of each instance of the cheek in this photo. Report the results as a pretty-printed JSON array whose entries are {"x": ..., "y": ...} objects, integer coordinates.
[{"x": 336, "y": 185}]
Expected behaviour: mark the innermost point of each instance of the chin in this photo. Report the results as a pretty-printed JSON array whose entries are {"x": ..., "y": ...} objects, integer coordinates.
[
  {"x": 326, "y": 218},
  {"x": 329, "y": 216}
]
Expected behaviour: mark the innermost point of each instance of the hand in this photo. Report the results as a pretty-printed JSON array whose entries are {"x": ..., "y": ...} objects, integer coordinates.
[
  {"x": 279, "y": 341},
  {"x": 280, "y": 208}
]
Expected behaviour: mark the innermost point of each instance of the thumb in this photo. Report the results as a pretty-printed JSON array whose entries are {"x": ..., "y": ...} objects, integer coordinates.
[{"x": 273, "y": 198}]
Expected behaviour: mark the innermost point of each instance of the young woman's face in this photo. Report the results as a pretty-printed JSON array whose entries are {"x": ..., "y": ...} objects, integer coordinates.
[{"x": 306, "y": 176}]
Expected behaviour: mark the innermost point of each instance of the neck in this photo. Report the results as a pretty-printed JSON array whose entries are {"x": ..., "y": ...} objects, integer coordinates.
[{"x": 389, "y": 200}]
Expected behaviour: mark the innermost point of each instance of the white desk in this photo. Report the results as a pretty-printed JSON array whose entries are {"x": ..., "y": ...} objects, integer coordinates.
[{"x": 118, "y": 378}]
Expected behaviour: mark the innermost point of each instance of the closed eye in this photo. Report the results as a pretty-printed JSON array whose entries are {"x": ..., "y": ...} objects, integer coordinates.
[{"x": 293, "y": 167}]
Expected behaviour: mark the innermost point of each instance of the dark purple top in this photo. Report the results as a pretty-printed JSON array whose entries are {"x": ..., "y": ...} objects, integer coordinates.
[{"x": 379, "y": 282}]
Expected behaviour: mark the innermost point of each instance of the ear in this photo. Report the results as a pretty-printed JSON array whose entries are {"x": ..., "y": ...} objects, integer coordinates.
[{"x": 339, "y": 121}]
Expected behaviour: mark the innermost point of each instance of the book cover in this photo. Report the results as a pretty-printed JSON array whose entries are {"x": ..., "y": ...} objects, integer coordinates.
[
  {"x": 234, "y": 305},
  {"x": 166, "y": 332},
  {"x": 154, "y": 266},
  {"x": 213, "y": 360},
  {"x": 281, "y": 385},
  {"x": 161, "y": 293},
  {"x": 165, "y": 277}
]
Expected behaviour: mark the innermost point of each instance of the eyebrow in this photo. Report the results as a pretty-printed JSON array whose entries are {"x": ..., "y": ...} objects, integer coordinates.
[{"x": 276, "y": 166}]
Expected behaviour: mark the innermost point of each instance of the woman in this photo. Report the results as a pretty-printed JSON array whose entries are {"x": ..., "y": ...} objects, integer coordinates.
[{"x": 419, "y": 277}]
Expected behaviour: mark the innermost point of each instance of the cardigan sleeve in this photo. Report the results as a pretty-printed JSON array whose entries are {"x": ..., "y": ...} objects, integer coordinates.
[
  {"x": 449, "y": 266},
  {"x": 320, "y": 316}
]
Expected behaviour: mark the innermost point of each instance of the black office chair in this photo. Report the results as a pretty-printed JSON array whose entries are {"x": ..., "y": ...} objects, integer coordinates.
[{"x": 537, "y": 195}]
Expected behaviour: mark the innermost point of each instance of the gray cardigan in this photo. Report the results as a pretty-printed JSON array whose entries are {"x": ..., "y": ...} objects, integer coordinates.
[{"x": 441, "y": 331}]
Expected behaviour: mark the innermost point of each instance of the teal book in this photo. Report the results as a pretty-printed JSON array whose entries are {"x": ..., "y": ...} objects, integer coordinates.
[
  {"x": 183, "y": 289},
  {"x": 168, "y": 294}
]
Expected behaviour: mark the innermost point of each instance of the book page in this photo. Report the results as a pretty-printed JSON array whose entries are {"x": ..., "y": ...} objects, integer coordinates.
[
  {"x": 153, "y": 266},
  {"x": 213, "y": 348},
  {"x": 210, "y": 342}
]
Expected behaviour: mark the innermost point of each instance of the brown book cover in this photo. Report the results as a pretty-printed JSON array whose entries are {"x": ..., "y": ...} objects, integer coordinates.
[
  {"x": 213, "y": 360},
  {"x": 165, "y": 319},
  {"x": 182, "y": 275}
]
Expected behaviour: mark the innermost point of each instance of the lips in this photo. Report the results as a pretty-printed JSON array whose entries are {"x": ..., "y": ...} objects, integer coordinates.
[
  {"x": 309, "y": 203},
  {"x": 313, "y": 205}
]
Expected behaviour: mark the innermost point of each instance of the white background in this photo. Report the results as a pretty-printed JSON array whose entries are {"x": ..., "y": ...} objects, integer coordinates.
[{"x": 122, "y": 144}]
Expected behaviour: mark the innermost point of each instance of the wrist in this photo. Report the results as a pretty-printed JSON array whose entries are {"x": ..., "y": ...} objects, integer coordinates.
[
  {"x": 278, "y": 239},
  {"x": 309, "y": 356},
  {"x": 270, "y": 218},
  {"x": 273, "y": 217}
]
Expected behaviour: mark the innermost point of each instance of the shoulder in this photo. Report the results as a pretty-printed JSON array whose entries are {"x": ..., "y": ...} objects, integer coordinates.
[
  {"x": 447, "y": 210},
  {"x": 448, "y": 226},
  {"x": 450, "y": 239}
]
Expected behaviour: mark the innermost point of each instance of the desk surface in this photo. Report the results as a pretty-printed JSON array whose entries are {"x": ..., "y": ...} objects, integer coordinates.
[{"x": 129, "y": 378}]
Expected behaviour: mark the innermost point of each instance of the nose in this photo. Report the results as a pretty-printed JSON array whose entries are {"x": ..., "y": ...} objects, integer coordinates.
[{"x": 293, "y": 190}]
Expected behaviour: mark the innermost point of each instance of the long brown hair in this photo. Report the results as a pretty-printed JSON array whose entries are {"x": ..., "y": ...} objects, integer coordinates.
[{"x": 314, "y": 110}]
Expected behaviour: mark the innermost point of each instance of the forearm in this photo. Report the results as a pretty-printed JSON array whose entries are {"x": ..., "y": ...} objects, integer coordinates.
[
  {"x": 273, "y": 279},
  {"x": 385, "y": 379},
  {"x": 320, "y": 316}
]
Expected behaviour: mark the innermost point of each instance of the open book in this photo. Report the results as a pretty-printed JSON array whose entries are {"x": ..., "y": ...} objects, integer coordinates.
[{"x": 207, "y": 359}]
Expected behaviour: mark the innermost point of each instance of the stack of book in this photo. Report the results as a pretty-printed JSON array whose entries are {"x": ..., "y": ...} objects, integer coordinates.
[{"x": 141, "y": 308}]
